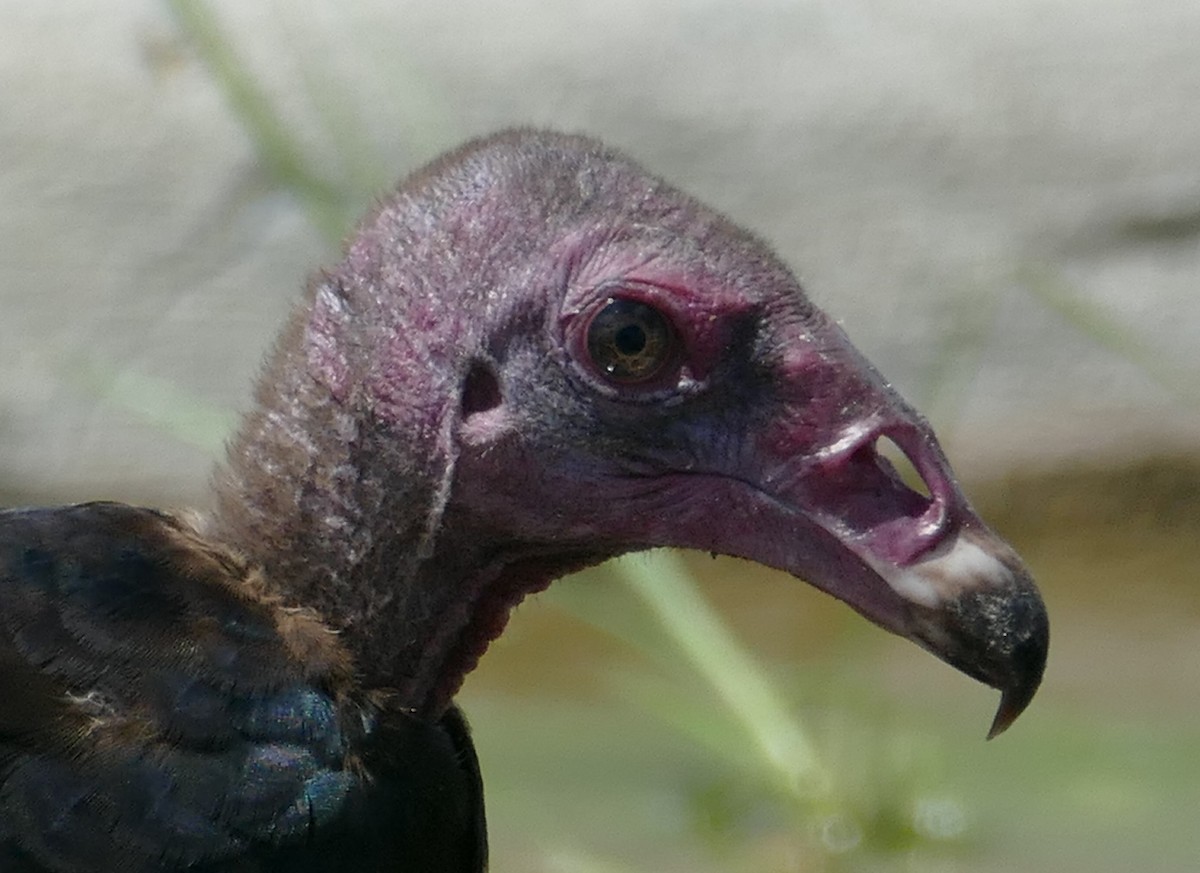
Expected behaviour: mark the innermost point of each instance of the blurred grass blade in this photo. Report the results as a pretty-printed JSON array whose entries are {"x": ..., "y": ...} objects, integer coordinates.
[
  {"x": 663, "y": 583},
  {"x": 957, "y": 355},
  {"x": 276, "y": 147},
  {"x": 340, "y": 119},
  {"x": 1048, "y": 286},
  {"x": 690, "y": 713},
  {"x": 158, "y": 402}
]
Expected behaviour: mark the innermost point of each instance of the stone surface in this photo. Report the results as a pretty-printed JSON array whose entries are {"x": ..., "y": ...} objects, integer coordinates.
[{"x": 943, "y": 176}]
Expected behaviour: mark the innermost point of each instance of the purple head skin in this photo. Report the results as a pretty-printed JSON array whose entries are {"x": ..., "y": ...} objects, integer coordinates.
[{"x": 535, "y": 356}]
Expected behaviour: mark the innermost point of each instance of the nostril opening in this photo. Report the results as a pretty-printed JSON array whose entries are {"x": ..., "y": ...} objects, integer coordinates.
[{"x": 902, "y": 465}]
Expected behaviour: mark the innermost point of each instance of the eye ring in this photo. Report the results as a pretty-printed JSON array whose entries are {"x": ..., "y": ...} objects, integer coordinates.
[{"x": 630, "y": 342}]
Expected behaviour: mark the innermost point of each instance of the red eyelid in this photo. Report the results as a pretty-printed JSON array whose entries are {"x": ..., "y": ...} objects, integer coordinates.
[
  {"x": 699, "y": 320},
  {"x": 697, "y": 328}
]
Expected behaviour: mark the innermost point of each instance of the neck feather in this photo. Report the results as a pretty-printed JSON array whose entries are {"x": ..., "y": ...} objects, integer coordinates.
[{"x": 336, "y": 509}]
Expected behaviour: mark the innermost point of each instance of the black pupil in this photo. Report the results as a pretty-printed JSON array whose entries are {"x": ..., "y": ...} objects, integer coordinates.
[{"x": 630, "y": 341}]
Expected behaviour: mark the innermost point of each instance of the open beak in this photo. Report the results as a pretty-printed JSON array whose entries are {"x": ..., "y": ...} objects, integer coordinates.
[
  {"x": 942, "y": 577},
  {"x": 818, "y": 500}
]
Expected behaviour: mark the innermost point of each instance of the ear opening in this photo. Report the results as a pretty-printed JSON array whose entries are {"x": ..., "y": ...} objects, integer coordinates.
[
  {"x": 480, "y": 394},
  {"x": 481, "y": 390}
]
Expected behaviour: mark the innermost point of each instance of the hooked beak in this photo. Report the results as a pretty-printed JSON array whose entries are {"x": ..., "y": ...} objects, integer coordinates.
[
  {"x": 821, "y": 503},
  {"x": 988, "y": 620},
  {"x": 922, "y": 566},
  {"x": 985, "y": 618},
  {"x": 960, "y": 591}
]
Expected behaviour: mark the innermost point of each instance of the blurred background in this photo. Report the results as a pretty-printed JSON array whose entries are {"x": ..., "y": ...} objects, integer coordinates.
[{"x": 999, "y": 200}]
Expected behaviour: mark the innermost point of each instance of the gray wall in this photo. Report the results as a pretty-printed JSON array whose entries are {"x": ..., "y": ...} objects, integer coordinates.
[{"x": 1001, "y": 200}]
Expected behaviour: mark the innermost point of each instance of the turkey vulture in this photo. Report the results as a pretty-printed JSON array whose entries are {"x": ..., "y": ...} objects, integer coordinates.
[{"x": 533, "y": 356}]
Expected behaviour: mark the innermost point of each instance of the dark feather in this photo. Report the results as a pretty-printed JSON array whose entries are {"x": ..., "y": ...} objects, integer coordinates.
[{"x": 156, "y": 718}]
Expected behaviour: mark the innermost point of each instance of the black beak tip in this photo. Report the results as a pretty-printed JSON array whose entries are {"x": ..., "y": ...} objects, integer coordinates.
[
  {"x": 1026, "y": 662},
  {"x": 1010, "y": 707},
  {"x": 999, "y": 636}
]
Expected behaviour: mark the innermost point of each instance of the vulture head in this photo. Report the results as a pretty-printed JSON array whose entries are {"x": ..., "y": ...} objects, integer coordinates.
[{"x": 534, "y": 356}]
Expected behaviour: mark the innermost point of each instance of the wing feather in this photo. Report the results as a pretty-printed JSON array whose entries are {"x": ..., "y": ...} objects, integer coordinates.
[{"x": 161, "y": 711}]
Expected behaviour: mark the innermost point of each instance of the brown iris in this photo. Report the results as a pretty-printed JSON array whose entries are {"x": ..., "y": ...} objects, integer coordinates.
[{"x": 630, "y": 341}]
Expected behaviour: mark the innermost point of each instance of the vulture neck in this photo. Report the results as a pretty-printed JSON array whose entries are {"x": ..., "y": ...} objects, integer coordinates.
[{"x": 337, "y": 513}]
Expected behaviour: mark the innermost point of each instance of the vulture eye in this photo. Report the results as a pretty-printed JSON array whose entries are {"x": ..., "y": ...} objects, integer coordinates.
[{"x": 630, "y": 341}]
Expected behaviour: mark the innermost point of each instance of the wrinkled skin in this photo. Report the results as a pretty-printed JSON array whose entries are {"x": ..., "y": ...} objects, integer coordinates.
[{"x": 532, "y": 357}]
